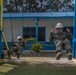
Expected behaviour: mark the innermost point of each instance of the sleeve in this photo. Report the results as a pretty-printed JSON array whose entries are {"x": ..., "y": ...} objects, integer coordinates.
[{"x": 51, "y": 38}]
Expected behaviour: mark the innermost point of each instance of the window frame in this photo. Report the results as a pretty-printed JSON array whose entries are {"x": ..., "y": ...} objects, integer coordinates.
[{"x": 35, "y": 32}]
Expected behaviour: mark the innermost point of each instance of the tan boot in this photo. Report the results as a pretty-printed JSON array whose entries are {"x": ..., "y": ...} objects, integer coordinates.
[
  {"x": 9, "y": 54},
  {"x": 59, "y": 55},
  {"x": 69, "y": 56}
]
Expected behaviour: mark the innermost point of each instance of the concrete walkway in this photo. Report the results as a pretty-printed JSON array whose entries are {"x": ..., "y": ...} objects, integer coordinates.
[{"x": 40, "y": 60}]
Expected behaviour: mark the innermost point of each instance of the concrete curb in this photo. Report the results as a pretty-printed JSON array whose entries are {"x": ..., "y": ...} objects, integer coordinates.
[{"x": 74, "y": 60}]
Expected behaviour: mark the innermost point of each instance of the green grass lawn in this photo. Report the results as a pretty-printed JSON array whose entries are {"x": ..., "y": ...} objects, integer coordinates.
[{"x": 36, "y": 69}]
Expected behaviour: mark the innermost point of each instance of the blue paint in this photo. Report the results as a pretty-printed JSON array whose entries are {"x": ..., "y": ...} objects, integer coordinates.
[
  {"x": 38, "y": 15},
  {"x": 45, "y": 45},
  {"x": 74, "y": 32},
  {"x": 36, "y": 30},
  {"x": 20, "y": 18},
  {"x": 45, "y": 34}
]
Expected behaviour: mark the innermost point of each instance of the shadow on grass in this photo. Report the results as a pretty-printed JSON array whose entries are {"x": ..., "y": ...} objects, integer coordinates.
[{"x": 36, "y": 69}]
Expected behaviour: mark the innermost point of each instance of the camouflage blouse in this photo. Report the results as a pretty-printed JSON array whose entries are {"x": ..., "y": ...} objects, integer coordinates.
[{"x": 60, "y": 36}]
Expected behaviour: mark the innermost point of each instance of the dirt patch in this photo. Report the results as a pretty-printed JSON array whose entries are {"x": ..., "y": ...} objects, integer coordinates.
[{"x": 40, "y": 60}]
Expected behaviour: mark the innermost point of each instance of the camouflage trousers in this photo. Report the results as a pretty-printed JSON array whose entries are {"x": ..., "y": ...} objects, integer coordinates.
[
  {"x": 17, "y": 50},
  {"x": 63, "y": 44}
]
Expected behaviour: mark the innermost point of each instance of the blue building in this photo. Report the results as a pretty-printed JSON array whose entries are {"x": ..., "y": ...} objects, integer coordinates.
[{"x": 36, "y": 25}]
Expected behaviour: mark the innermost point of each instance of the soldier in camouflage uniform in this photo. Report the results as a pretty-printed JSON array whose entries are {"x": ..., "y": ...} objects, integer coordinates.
[
  {"x": 61, "y": 40},
  {"x": 17, "y": 48}
]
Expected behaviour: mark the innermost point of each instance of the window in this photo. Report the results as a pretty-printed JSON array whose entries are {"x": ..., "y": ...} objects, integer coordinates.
[
  {"x": 70, "y": 28},
  {"x": 31, "y": 32},
  {"x": 41, "y": 34}
]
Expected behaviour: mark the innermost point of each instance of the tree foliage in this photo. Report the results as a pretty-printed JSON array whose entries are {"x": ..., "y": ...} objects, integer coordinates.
[{"x": 38, "y": 5}]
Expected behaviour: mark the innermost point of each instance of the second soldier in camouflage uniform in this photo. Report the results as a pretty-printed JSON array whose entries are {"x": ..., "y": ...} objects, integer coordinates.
[
  {"x": 61, "y": 40},
  {"x": 17, "y": 48}
]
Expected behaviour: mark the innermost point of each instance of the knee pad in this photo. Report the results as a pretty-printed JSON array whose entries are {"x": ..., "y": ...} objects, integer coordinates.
[
  {"x": 58, "y": 51},
  {"x": 69, "y": 51}
]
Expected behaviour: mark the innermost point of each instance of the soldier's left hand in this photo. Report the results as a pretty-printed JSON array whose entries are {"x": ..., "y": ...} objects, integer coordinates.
[{"x": 68, "y": 30}]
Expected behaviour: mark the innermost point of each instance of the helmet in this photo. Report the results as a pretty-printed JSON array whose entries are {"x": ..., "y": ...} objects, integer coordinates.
[
  {"x": 19, "y": 37},
  {"x": 59, "y": 25}
]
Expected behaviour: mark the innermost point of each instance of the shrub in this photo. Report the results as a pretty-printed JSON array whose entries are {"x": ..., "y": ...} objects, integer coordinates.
[
  {"x": 30, "y": 39},
  {"x": 37, "y": 47}
]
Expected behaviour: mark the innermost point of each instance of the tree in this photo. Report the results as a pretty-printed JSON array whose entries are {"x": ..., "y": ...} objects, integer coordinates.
[
  {"x": 62, "y": 5},
  {"x": 39, "y": 5}
]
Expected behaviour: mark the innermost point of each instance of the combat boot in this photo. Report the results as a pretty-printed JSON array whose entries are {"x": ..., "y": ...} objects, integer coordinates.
[
  {"x": 59, "y": 55},
  {"x": 69, "y": 55},
  {"x": 2, "y": 54},
  {"x": 9, "y": 54},
  {"x": 18, "y": 54}
]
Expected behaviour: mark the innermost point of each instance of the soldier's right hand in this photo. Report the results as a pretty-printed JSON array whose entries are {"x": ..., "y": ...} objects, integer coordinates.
[{"x": 52, "y": 31}]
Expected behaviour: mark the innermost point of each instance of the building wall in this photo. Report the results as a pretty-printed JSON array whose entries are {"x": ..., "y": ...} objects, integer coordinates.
[
  {"x": 50, "y": 24},
  {"x": 18, "y": 24},
  {"x": 16, "y": 28}
]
